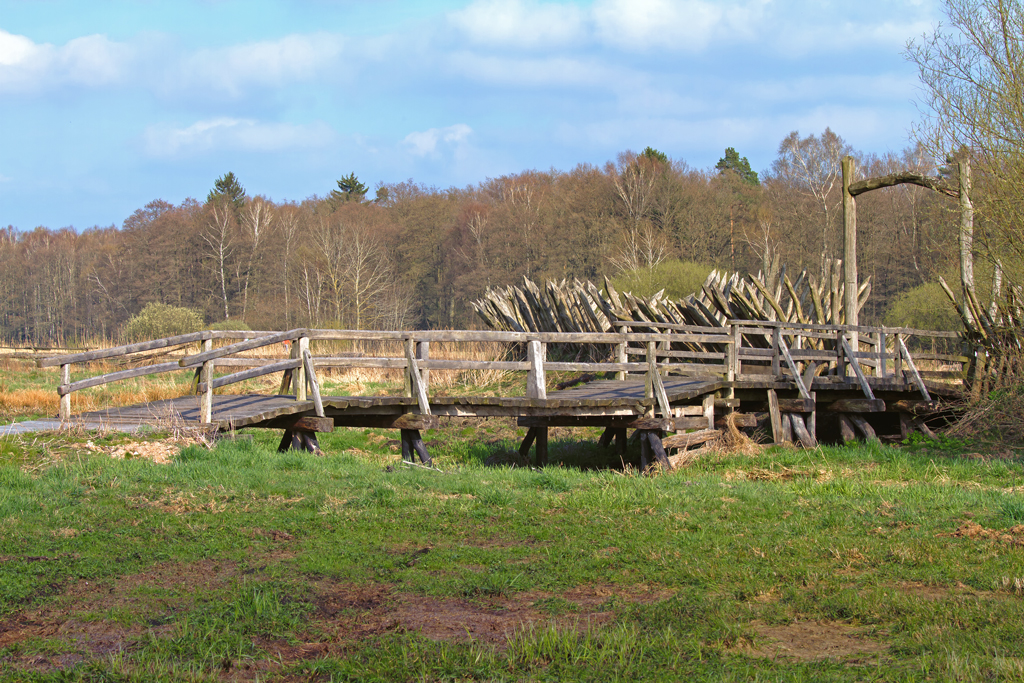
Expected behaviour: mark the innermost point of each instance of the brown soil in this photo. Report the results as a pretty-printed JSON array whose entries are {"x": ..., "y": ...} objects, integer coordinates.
[
  {"x": 811, "y": 641},
  {"x": 973, "y": 530},
  {"x": 90, "y": 620}
]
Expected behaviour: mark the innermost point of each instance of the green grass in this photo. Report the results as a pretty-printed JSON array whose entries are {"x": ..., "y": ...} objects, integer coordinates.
[{"x": 243, "y": 561}]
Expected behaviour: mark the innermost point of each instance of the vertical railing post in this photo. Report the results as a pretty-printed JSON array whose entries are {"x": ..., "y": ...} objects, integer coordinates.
[
  {"x": 299, "y": 381},
  {"x": 882, "y": 360},
  {"x": 776, "y": 358},
  {"x": 737, "y": 343},
  {"x": 620, "y": 353},
  {"x": 206, "y": 375},
  {"x": 536, "y": 382},
  {"x": 65, "y": 400},
  {"x": 897, "y": 361},
  {"x": 423, "y": 354},
  {"x": 731, "y": 354}
]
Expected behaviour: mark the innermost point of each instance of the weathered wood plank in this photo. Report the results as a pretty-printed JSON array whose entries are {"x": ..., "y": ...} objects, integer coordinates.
[
  {"x": 857, "y": 405},
  {"x": 796, "y": 405}
]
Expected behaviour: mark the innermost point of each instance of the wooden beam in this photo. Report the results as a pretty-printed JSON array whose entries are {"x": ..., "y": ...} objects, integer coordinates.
[
  {"x": 914, "y": 374},
  {"x": 685, "y": 441},
  {"x": 776, "y": 416},
  {"x": 857, "y": 405},
  {"x": 865, "y": 428},
  {"x": 801, "y": 431},
  {"x": 915, "y": 407},
  {"x": 312, "y": 424},
  {"x": 314, "y": 385},
  {"x": 415, "y": 380},
  {"x": 796, "y": 405},
  {"x": 864, "y": 386}
]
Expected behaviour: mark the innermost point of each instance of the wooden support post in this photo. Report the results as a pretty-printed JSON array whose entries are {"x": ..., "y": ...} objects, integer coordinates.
[
  {"x": 412, "y": 445},
  {"x": 414, "y": 381},
  {"x": 314, "y": 385},
  {"x": 524, "y": 448},
  {"x": 536, "y": 381},
  {"x": 801, "y": 431},
  {"x": 299, "y": 376},
  {"x": 621, "y": 442},
  {"x": 64, "y": 412},
  {"x": 880, "y": 369},
  {"x": 776, "y": 357},
  {"x": 737, "y": 339},
  {"x": 206, "y": 398},
  {"x": 423, "y": 355},
  {"x": 865, "y": 428},
  {"x": 914, "y": 374},
  {"x": 846, "y": 429},
  {"x": 864, "y": 386},
  {"x": 606, "y": 437},
  {"x": 897, "y": 357},
  {"x": 542, "y": 446},
  {"x": 776, "y": 416},
  {"x": 906, "y": 425},
  {"x": 653, "y": 439},
  {"x": 621, "y": 357},
  {"x": 299, "y": 440},
  {"x": 652, "y": 370},
  {"x": 812, "y": 419},
  {"x": 850, "y": 250},
  {"x": 787, "y": 428},
  {"x": 731, "y": 354},
  {"x": 709, "y": 410}
]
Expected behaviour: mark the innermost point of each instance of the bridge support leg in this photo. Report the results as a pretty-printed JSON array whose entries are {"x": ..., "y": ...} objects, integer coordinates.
[
  {"x": 299, "y": 440},
  {"x": 412, "y": 445},
  {"x": 650, "y": 444},
  {"x": 540, "y": 435}
]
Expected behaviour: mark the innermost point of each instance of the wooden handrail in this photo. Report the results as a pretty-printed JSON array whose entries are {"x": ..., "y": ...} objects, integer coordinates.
[{"x": 241, "y": 346}]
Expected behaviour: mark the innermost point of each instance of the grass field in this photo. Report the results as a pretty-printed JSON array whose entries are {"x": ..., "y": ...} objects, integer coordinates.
[{"x": 137, "y": 559}]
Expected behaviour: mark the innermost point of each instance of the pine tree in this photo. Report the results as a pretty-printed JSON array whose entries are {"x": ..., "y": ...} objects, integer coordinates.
[
  {"x": 738, "y": 165},
  {"x": 349, "y": 190},
  {"x": 227, "y": 188}
]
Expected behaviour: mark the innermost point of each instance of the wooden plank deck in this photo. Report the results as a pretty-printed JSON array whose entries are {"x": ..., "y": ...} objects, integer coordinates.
[{"x": 613, "y": 398}]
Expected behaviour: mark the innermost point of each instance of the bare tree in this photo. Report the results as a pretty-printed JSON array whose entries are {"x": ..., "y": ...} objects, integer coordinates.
[{"x": 217, "y": 236}]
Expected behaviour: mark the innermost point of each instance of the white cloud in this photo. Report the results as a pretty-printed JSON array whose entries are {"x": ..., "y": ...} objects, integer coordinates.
[
  {"x": 218, "y": 134},
  {"x": 645, "y": 24},
  {"x": 543, "y": 72},
  {"x": 94, "y": 60},
  {"x": 426, "y": 142},
  {"x": 520, "y": 23},
  {"x": 275, "y": 63}
]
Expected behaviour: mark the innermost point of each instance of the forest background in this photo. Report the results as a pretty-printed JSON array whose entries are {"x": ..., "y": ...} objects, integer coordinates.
[{"x": 412, "y": 256}]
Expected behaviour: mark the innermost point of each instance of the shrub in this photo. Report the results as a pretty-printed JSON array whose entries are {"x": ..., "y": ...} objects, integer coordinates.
[
  {"x": 161, "y": 320},
  {"x": 678, "y": 278},
  {"x": 925, "y": 307}
]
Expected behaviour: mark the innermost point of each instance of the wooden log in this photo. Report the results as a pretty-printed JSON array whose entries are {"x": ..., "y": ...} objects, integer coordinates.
[
  {"x": 918, "y": 382},
  {"x": 740, "y": 420},
  {"x": 416, "y": 446},
  {"x": 314, "y": 384},
  {"x": 524, "y": 448},
  {"x": 536, "y": 382},
  {"x": 232, "y": 349},
  {"x": 925, "y": 429},
  {"x": 800, "y": 430},
  {"x": 787, "y": 427},
  {"x": 906, "y": 425},
  {"x": 415, "y": 379},
  {"x": 776, "y": 416},
  {"x": 865, "y": 387},
  {"x": 866, "y": 429},
  {"x": 236, "y": 377},
  {"x": 915, "y": 407},
  {"x": 299, "y": 440},
  {"x": 857, "y": 405},
  {"x": 125, "y": 350},
  {"x": 846, "y": 430},
  {"x": 542, "y": 446},
  {"x": 606, "y": 437},
  {"x": 312, "y": 424},
  {"x": 64, "y": 410},
  {"x": 685, "y": 441},
  {"x": 796, "y": 405},
  {"x": 403, "y": 421},
  {"x": 668, "y": 424},
  {"x": 299, "y": 376},
  {"x": 654, "y": 439}
]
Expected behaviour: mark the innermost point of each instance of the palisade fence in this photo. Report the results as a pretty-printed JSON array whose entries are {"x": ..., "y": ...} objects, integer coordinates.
[{"x": 740, "y": 351}]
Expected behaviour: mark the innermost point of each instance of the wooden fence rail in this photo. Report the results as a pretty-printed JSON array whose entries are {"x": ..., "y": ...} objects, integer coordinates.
[{"x": 738, "y": 351}]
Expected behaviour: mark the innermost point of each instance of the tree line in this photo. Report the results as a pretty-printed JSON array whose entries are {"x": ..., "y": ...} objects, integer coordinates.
[{"x": 414, "y": 256}]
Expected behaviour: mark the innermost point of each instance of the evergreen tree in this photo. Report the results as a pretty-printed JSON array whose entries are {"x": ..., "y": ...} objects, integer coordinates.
[
  {"x": 654, "y": 155},
  {"x": 227, "y": 188},
  {"x": 349, "y": 190},
  {"x": 738, "y": 165}
]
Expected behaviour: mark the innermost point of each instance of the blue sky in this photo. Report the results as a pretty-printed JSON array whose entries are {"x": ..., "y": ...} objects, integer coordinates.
[{"x": 105, "y": 106}]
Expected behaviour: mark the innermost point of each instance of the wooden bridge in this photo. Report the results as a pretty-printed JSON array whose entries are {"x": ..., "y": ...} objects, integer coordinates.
[{"x": 676, "y": 385}]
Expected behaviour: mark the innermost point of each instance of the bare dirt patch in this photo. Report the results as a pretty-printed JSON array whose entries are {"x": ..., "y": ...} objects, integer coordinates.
[
  {"x": 91, "y": 619},
  {"x": 812, "y": 641},
  {"x": 972, "y": 530}
]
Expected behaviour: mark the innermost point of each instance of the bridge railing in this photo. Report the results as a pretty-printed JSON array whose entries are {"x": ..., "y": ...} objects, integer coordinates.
[{"x": 740, "y": 350}]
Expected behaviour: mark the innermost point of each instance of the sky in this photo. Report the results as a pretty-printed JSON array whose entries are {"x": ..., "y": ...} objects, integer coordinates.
[{"x": 108, "y": 105}]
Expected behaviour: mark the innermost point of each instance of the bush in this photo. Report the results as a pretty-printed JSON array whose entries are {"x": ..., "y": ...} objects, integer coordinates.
[
  {"x": 156, "y": 321},
  {"x": 925, "y": 307},
  {"x": 678, "y": 278}
]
